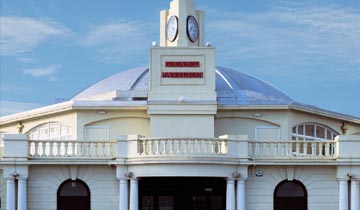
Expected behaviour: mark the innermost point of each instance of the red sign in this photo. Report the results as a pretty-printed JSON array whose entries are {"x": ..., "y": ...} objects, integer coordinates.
[
  {"x": 182, "y": 64},
  {"x": 182, "y": 75}
]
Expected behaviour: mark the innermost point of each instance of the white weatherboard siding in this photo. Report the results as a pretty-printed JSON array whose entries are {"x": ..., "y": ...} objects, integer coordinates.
[
  {"x": 45, "y": 181},
  {"x": 320, "y": 182}
]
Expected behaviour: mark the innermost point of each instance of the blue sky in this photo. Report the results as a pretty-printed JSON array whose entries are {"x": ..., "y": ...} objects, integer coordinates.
[{"x": 51, "y": 50}]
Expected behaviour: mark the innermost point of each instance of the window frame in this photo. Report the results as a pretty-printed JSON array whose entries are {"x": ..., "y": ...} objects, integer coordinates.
[{"x": 304, "y": 137}]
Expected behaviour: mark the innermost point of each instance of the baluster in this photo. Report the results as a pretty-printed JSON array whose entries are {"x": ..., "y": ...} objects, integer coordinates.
[
  {"x": 76, "y": 149},
  {"x": 98, "y": 146},
  {"x": 59, "y": 149},
  {"x": 33, "y": 149},
  {"x": 223, "y": 147},
  {"x": 177, "y": 146},
  {"x": 283, "y": 149},
  {"x": 155, "y": 147},
  {"x": 264, "y": 149},
  {"x": 192, "y": 146},
  {"x": 41, "y": 149},
  {"x": 103, "y": 144},
  {"x": 86, "y": 148},
  {"x": 144, "y": 148},
  {"x": 289, "y": 149},
  {"x": 68, "y": 149},
  {"x": 326, "y": 152},
  {"x": 71, "y": 151},
  {"x": 320, "y": 149},
  {"x": 161, "y": 146},
  {"x": 106, "y": 149},
  {"x": 197, "y": 146},
  {"x": 150, "y": 144},
  {"x": 297, "y": 148},
  {"x": 210, "y": 145},
  {"x": 256, "y": 149},
  {"x": 50, "y": 149},
  {"x": 251, "y": 149},
  {"x": 206, "y": 148},
  {"x": 202, "y": 145},
  {"x": 275, "y": 149},
  {"x": 171, "y": 146},
  {"x": 305, "y": 148},
  {"x": 91, "y": 149},
  {"x": 313, "y": 148}
]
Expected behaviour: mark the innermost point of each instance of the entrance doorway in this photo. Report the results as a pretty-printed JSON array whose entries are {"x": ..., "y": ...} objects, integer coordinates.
[
  {"x": 73, "y": 195},
  {"x": 178, "y": 193},
  {"x": 290, "y": 195}
]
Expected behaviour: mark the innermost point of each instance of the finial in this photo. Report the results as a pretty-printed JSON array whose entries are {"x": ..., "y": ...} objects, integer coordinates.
[
  {"x": 344, "y": 128},
  {"x": 20, "y": 127}
]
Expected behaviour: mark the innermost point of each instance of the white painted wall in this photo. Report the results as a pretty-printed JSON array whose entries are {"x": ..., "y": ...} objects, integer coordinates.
[
  {"x": 44, "y": 182},
  {"x": 320, "y": 182},
  {"x": 2, "y": 190}
]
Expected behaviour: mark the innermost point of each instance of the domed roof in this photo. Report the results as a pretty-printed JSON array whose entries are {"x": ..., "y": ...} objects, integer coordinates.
[{"x": 232, "y": 88}]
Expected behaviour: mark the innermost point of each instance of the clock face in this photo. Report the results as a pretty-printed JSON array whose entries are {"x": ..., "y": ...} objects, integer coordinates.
[
  {"x": 172, "y": 28},
  {"x": 192, "y": 28}
]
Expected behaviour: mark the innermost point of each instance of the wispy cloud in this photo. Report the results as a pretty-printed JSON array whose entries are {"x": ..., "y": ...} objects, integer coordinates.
[
  {"x": 12, "y": 107},
  {"x": 323, "y": 40},
  {"x": 121, "y": 41},
  {"x": 48, "y": 71},
  {"x": 22, "y": 34},
  {"x": 13, "y": 88}
]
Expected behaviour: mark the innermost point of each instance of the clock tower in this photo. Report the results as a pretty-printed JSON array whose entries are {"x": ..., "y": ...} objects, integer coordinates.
[{"x": 182, "y": 97}]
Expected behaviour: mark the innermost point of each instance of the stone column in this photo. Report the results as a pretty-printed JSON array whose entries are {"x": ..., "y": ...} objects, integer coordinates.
[
  {"x": 240, "y": 196},
  {"x": 22, "y": 193},
  {"x": 355, "y": 190},
  {"x": 10, "y": 193},
  {"x": 343, "y": 194},
  {"x": 123, "y": 194},
  {"x": 134, "y": 195},
  {"x": 230, "y": 194}
]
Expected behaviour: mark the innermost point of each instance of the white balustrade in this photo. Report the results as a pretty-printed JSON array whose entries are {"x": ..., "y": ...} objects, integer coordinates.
[
  {"x": 66, "y": 148},
  {"x": 181, "y": 147},
  {"x": 286, "y": 149},
  {"x": 188, "y": 146}
]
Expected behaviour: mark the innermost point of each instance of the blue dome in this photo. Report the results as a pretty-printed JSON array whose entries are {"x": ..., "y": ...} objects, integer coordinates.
[{"x": 232, "y": 87}]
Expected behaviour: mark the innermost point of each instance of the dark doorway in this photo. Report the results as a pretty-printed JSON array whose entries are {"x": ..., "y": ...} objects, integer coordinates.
[
  {"x": 178, "y": 193},
  {"x": 290, "y": 195},
  {"x": 73, "y": 195}
]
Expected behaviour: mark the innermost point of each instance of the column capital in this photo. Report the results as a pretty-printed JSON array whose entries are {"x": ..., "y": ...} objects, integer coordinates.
[
  {"x": 22, "y": 178},
  {"x": 230, "y": 180},
  {"x": 343, "y": 179},
  {"x": 9, "y": 178}
]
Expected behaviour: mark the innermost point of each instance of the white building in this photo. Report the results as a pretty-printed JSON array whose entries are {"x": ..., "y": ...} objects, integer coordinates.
[{"x": 181, "y": 134}]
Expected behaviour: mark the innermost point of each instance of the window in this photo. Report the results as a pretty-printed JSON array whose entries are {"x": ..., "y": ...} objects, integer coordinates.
[
  {"x": 51, "y": 131},
  {"x": 73, "y": 195},
  {"x": 313, "y": 131},
  {"x": 290, "y": 195}
]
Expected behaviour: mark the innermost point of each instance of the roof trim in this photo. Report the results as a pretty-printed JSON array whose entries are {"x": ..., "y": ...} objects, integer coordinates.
[{"x": 39, "y": 112}]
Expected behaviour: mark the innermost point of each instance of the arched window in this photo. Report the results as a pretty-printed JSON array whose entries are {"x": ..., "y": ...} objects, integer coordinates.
[
  {"x": 313, "y": 131},
  {"x": 290, "y": 195},
  {"x": 51, "y": 131},
  {"x": 73, "y": 195}
]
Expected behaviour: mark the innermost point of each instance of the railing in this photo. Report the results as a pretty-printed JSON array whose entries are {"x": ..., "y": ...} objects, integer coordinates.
[
  {"x": 66, "y": 148},
  {"x": 292, "y": 149},
  {"x": 176, "y": 146},
  {"x": 140, "y": 147}
]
